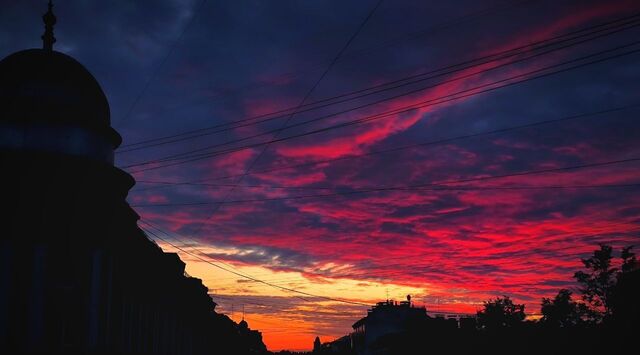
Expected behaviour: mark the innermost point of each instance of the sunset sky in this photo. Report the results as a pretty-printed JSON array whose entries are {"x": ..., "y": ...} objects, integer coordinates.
[{"x": 421, "y": 164}]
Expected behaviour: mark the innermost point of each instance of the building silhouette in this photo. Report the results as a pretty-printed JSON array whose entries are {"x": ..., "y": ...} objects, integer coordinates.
[
  {"x": 317, "y": 345},
  {"x": 386, "y": 318},
  {"x": 251, "y": 338},
  {"x": 77, "y": 275},
  {"x": 392, "y": 327}
]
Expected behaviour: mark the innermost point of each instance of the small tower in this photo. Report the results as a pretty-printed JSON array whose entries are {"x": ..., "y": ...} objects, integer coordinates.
[{"x": 317, "y": 345}]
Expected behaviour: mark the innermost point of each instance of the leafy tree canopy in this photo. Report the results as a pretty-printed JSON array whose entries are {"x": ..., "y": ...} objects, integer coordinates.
[{"x": 499, "y": 313}]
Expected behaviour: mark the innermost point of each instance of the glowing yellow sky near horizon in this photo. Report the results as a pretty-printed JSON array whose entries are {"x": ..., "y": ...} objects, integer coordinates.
[{"x": 286, "y": 327}]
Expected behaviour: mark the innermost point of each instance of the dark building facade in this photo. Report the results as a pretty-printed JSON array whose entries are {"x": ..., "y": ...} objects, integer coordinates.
[
  {"x": 77, "y": 275},
  {"x": 386, "y": 319}
]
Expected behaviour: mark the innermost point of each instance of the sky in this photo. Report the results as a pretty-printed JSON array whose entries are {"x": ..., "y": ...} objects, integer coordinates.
[{"x": 357, "y": 151}]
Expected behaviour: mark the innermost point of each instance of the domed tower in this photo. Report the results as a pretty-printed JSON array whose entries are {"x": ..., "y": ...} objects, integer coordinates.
[
  {"x": 66, "y": 223},
  {"x": 57, "y": 147},
  {"x": 77, "y": 275},
  {"x": 50, "y": 103}
]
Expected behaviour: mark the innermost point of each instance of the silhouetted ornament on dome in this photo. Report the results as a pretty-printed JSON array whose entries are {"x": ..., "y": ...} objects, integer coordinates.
[{"x": 49, "y": 20}]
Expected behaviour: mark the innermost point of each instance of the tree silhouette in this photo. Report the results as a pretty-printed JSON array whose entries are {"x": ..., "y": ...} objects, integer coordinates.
[
  {"x": 561, "y": 311},
  {"x": 625, "y": 309},
  {"x": 629, "y": 262},
  {"x": 598, "y": 282},
  {"x": 500, "y": 313}
]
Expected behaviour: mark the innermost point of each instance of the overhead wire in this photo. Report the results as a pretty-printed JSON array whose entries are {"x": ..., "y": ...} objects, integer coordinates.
[
  {"x": 285, "y": 124},
  {"x": 393, "y": 42},
  {"x": 190, "y": 153},
  {"x": 464, "y": 188},
  {"x": 161, "y": 64},
  {"x": 428, "y": 143},
  {"x": 481, "y": 89},
  {"x": 370, "y": 14},
  {"x": 178, "y": 156},
  {"x": 411, "y": 187},
  {"x": 252, "y": 278},
  {"x": 376, "y": 276},
  {"x": 619, "y": 24}
]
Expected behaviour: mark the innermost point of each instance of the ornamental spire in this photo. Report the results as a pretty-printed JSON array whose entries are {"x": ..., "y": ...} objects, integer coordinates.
[{"x": 49, "y": 20}]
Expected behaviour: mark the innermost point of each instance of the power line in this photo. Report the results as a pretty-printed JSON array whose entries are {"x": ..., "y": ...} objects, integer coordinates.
[
  {"x": 397, "y": 84},
  {"x": 431, "y": 102},
  {"x": 394, "y": 188},
  {"x": 489, "y": 87},
  {"x": 413, "y": 91},
  {"x": 420, "y": 33},
  {"x": 302, "y": 102},
  {"x": 384, "y": 275},
  {"x": 465, "y": 188},
  {"x": 492, "y": 58},
  {"x": 394, "y": 42},
  {"x": 423, "y": 144},
  {"x": 162, "y": 63},
  {"x": 255, "y": 279},
  {"x": 230, "y": 268},
  {"x": 359, "y": 52},
  {"x": 179, "y": 240},
  {"x": 251, "y": 299},
  {"x": 184, "y": 244},
  {"x": 252, "y": 278},
  {"x": 390, "y": 273},
  {"x": 607, "y": 225},
  {"x": 358, "y": 121},
  {"x": 365, "y": 271},
  {"x": 237, "y": 273}
]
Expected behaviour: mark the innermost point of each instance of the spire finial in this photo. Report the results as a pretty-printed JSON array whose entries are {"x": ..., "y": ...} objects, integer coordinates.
[{"x": 49, "y": 20}]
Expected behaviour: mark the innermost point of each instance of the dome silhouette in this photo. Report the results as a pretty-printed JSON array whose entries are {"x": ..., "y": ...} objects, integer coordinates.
[{"x": 48, "y": 87}]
